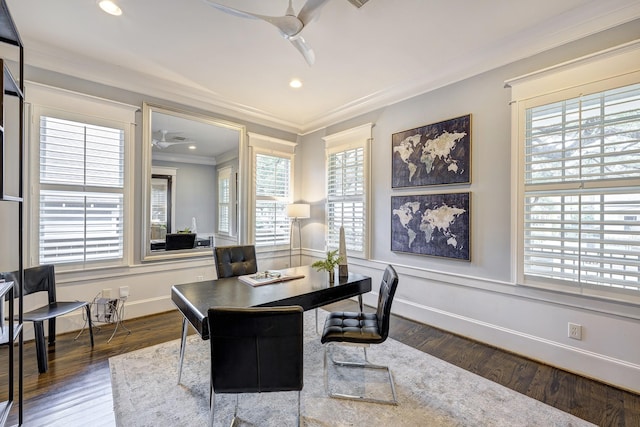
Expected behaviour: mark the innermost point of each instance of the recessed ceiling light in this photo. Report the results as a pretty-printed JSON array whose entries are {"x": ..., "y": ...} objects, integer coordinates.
[
  {"x": 295, "y": 83},
  {"x": 110, "y": 7},
  {"x": 192, "y": 147}
]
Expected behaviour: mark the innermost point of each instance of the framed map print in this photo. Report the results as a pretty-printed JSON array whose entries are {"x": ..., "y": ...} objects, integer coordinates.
[
  {"x": 434, "y": 154},
  {"x": 432, "y": 224}
]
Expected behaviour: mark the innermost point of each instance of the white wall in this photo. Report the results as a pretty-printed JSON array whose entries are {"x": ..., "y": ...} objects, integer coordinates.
[{"x": 478, "y": 299}]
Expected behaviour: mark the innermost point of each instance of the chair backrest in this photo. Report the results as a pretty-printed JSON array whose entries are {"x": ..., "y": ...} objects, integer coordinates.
[
  {"x": 40, "y": 279},
  {"x": 36, "y": 279},
  {"x": 385, "y": 298},
  {"x": 235, "y": 260},
  {"x": 256, "y": 350},
  {"x": 174, "y": 241}
]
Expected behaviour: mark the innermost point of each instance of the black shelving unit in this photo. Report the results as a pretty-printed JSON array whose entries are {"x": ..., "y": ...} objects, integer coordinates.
[{"x": 11, "y": 173}]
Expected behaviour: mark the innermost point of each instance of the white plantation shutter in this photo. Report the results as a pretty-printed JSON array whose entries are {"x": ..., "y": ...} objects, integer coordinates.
[
  {"x": 224, "y": 201},
  {"x": 582, "y": 207},
  {"x": 348, "y": 188},
  {"x": 272, "y": 195},
  {"x": 577, "y": 129},
  {"x": 346, "y": 198},
  {"x": 81, "y": 192}
]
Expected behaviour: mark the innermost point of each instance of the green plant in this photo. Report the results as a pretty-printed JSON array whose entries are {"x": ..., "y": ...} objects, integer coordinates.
[
  {"x": 329, "y": 263},
  {"x": 185, "y": 230}
]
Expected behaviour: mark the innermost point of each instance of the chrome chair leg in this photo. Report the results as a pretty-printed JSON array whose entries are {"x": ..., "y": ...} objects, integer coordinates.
[
  {"x": 212, "y": 404},
  {"x": 183, "y": 344},
  {"x": 362, "y": 365}
]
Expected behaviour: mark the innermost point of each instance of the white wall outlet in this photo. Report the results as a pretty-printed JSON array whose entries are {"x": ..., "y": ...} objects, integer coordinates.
[
  {"x": 575, "y": 331},
  {"x": 106, "y": 293},
  {"x": 124, "y": 291},
  {"x": 200, "y": 278}
]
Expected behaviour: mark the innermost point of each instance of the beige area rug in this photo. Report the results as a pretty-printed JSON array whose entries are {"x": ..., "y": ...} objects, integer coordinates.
[{"x": 430, "y": 391}]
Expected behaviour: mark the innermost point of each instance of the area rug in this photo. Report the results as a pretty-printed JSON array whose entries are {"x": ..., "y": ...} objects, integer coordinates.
[{"x": 430, "y": 392}]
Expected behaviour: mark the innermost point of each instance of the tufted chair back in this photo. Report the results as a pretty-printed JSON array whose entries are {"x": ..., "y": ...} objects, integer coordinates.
[{"x": 235, "y": 260}]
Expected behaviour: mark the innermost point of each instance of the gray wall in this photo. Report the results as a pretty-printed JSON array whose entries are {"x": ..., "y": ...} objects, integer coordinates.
[
  {"x": 196, "y": 193},
  {"x": 478, "y": 298}
]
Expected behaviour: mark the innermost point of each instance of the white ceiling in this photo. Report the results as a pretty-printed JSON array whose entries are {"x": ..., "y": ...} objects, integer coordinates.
[{"x": 366, "y": 58}]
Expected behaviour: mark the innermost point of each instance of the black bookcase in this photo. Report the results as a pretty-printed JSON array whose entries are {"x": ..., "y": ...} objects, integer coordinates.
[{"x": 12, "y": 157}]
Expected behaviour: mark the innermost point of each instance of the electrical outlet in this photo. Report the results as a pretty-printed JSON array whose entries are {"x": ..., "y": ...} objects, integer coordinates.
[
  {"x": 106, "y": 293},
  {"x": 200, "y": 278},
  {"x": 124, "y": 291},
  {"x": 575, "y": 331}
]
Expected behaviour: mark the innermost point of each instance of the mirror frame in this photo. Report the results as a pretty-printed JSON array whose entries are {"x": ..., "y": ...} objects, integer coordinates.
[{"x": 147, "y": 110}]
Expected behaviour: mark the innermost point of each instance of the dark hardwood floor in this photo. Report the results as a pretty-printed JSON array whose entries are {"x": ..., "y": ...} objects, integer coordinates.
[{"x": 76, "y": 391}]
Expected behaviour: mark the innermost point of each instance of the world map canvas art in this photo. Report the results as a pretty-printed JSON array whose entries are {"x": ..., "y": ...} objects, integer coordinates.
[
  {"x": 431, "y": 224},
  {"x": 434, "y": 154}
]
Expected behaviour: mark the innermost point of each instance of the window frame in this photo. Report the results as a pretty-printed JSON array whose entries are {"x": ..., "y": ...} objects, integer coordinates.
[
  {"x": 354, "y": 138},
  {"x": 67, "y": 105},
  {"x": 226, "y": 173},
  {"x": 269, "y": 146},
  {"x": 610, "y": 69}
]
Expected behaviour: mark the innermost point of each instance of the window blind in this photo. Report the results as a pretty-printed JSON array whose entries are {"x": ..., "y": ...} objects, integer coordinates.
[
  {"x": 581, "y": 198},
  {"x": 224, "y": 200},
  {"x": 273, "y": 193},
  {"x": 346, "y": 198},
  {"x": 81, "y": 192}
]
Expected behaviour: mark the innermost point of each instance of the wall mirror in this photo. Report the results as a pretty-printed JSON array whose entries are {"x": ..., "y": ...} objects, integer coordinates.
[{"x": 192, "y": 183}]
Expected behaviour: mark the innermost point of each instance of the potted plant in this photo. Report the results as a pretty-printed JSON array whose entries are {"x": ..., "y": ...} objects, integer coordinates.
[{"x": 328, "y": 264}]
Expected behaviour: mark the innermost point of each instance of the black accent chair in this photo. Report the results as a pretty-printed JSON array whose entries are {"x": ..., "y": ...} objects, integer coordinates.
[
  {"x": 43, "y": 279},
  {"x": 362, "y": 329},
  {"x": 230, "y": 261},
  {"x": 177, "y": 241},
  {"x": 255, "y": 350},
  {"x": 235, "y": 260}
]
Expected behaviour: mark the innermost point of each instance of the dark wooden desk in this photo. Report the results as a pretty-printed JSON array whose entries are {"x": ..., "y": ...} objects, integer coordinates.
[{"x": 194, "y": 299}]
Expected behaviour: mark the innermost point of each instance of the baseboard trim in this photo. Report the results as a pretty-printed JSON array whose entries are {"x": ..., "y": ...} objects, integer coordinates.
[{"x": 616, "y": 372}]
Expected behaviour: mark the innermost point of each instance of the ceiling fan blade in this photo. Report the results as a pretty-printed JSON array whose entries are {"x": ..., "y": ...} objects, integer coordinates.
[
  {"x": 311, "y": 10},
  {"x": 288, "y": 25},
  {"x": 232, "y": 11},
  {"x": 304, "y": 49}
]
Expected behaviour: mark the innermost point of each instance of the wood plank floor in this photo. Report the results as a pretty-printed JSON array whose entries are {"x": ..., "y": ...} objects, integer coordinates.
[{"x": 76, "y": 391}]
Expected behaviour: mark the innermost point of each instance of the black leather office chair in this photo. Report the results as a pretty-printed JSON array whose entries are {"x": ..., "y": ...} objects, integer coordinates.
[
  {"x": 43, "y": 279},
  {"x": 255, "y": 350},
  {"x": 177, "y": 241},
  {"x": 235, "y": 260},
  {"x": 230, "y": 261},
  {"x": 362, "y": 329}
]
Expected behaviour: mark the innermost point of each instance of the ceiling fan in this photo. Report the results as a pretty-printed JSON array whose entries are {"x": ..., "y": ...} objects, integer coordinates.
[
  {"x": 289, "y": 25},
  {"x": 162, "y": 143}
]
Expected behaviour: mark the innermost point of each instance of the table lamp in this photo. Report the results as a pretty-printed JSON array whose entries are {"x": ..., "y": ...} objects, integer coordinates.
[{"x": 297, "y": 211}]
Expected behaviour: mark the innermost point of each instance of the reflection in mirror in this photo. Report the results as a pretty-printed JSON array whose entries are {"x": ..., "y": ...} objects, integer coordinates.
[{"x": 191, "y": 199}]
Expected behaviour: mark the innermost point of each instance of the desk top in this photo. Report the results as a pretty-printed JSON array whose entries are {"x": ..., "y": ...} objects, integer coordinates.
[{"x": 312, "y": 291}]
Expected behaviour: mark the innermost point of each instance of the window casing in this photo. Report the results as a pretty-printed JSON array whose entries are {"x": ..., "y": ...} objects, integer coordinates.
[
  {"x": 578, "y": 194},
  {"x": 272, "y": 190},
  {"x": 79, "y": 212},
  {"x": 347, "y": 160},
  {"x": 273, "y": 194}
]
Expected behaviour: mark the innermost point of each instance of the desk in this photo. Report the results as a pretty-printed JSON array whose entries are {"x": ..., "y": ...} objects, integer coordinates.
[{"x": 194, "y": 299}]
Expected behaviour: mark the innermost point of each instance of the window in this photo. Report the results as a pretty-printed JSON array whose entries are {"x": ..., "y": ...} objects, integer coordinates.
[
  {"x": 224, "y": 200},
  {"x": 80, "y": 205},
  {"x": 273, "y": 194},
  {"x": 580, "y": 196},
  {"x": 347, "y": 189},
  {"x": 81, "y": 192},
  {"x": 273, "y": 189}
]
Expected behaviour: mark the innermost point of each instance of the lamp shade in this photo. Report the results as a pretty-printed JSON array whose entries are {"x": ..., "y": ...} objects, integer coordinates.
[{"x": 298, "y": 210}]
